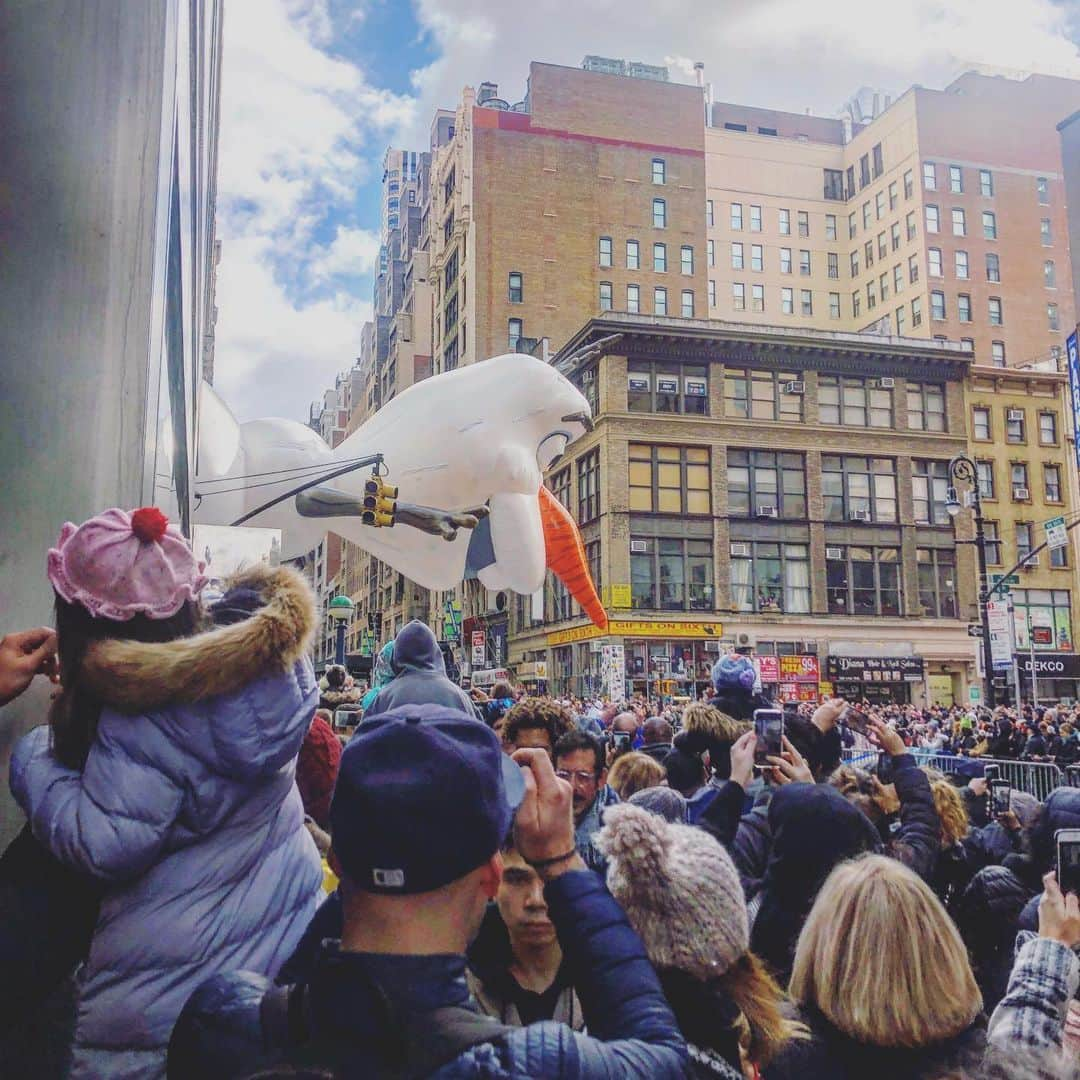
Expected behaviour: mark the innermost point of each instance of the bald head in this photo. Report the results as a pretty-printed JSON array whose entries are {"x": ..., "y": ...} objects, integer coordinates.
[
  {"x": 625, "y": 721},
  {"x": 657, "y": 730}
]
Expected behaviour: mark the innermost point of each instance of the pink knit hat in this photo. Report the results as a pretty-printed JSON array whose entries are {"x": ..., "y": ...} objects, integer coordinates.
[{"x": 120, "y": 564}]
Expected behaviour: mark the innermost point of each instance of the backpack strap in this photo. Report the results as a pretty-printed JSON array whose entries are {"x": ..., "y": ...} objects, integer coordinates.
[{"x": 283, "y": 1016}]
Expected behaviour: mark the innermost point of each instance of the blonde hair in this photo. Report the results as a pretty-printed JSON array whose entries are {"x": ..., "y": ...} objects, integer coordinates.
[
  {"x": 950, "y": 811},
  {"x": 881, "y": 959},
  {"x": 710, "y": 721},
  {"x": 634, "y": 772},
  {"x": 755, "y": 993}
]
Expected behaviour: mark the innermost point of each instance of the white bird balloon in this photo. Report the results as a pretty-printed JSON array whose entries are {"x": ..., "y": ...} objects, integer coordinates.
[{"x": 464, "y": 446}]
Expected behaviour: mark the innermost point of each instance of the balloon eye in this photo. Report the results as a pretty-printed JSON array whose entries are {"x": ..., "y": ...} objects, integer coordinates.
[{"x": 551, "y": 449}]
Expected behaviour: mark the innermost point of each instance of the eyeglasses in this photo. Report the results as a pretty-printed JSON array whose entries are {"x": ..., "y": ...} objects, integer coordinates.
[{"x": 581, "y": 777}]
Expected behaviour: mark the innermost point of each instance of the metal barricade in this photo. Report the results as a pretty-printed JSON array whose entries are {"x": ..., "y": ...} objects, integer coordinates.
[{"x": 1072, "y": 775}]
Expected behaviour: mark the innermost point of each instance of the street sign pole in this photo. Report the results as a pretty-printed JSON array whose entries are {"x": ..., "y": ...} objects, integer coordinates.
[{"x": 1031, "y": 651}]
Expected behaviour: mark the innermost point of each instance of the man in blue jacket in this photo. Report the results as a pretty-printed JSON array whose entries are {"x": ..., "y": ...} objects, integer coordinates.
[{"x": 423, "y": 801}]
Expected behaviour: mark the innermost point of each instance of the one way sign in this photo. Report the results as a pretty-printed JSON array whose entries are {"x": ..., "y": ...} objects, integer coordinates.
[{"x": 974, "y": 630}]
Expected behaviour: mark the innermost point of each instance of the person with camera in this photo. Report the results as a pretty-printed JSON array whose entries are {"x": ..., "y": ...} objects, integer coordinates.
[{"x": 390, "y": 999}]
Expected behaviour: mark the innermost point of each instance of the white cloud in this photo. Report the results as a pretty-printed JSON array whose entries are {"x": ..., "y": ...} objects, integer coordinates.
[{"x": 352, "y": 253}]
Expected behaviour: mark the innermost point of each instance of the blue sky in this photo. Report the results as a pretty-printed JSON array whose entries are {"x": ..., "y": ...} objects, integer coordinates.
[{"x": 313, "y": 91}]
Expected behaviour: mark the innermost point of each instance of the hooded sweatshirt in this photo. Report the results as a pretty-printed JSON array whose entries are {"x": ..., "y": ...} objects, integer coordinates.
[{"x": 419, "y": 675}]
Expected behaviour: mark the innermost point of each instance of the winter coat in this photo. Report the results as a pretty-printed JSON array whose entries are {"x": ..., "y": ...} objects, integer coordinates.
[
  {"x": 593, "y": 821},
  {"x": 829, "y": 1054},
  {"x": 751, "y": 846},
  {"x": 419, "y": 675},
  {"x": 187, "y": 811},
  {"x": 634, "y": 1034},
  {"x": 813, "y": 828},
  {"x": 317, "y": 769},
  {"x": 958, "y": 864},
  {"x": 914, "y": 838}
]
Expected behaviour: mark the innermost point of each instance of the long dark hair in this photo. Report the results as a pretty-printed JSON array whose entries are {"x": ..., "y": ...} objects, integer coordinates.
[{"x": 76, "y": 710}]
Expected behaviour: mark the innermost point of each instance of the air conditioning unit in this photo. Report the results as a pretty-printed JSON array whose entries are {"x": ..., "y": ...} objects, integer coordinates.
[
  {"x": 1030, "y": 564},
  {"x": 1015, "y": 414},
  {"x": 639, "y": 547},
  {"x": 886, "y": 384},
  {"x": 796, "y": 386},
  {"x": 1021, "y": 494},
  {"x": 744, "y": 640},
  {"x": 859, "y": 515},
  {"x": 766, "y": 511},
  {"x": 740, "y": 549},
  {"x": 834, "y": 553}
]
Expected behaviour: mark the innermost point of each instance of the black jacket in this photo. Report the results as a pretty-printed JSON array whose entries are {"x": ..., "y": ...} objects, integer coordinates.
[
  {"x": 957, "y": 865},
  {"x": 831, "y": 1055},
  {"x": 915, "y": 841},
  {"x": 750, "y": 846}
]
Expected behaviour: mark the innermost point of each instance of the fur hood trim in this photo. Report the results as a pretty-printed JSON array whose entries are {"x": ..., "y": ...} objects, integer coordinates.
[{"x": 133, "y": 676}]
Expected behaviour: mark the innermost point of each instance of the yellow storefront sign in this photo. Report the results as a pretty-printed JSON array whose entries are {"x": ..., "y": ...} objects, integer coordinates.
[{"x": 638, "y": 628}]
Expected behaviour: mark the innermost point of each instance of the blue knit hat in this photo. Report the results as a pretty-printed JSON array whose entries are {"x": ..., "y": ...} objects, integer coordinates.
[{"x": 734, "y": 673}]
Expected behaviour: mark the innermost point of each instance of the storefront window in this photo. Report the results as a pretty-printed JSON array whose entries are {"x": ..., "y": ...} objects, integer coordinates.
[
  {"x": 667, "y": 388},
  {"x": 862, "y": 580},
  {"x": 937, "y": 582},
  {"x": 770, "y": 577},
  {"x": 1048, "y": 614},
  {"x": 672, "y": 575}
]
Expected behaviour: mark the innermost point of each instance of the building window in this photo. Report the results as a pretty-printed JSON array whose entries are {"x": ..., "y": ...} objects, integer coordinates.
[
  {"x": 804, "y": 223},
  {"x": 911, "y": 226},
  {"x": 997, "y": 353},
  {"x": 755, "y": 219},
  {"x": 592, "y": 557},
  {"x": 605, "y": 295},
  {"x": 879, "y": 160},
  {"x": 882, "y": 245},
  {"x": 763, "y": 395},
  {"x": 854, "y": 402},
  {"x": 712, "y": 293},
  {"x": 868, "y": 253},
  {"x": 710, "y": 217},
  {"x": 851, "y": 181},
  {"x": 1049, "y": 274},
  {"x": 937, "y": 305},
  {"x": 916, "y": 311},
  {"x": 671, "y": 575},
  {"x": 1052, "y": 482},
  {"x": 736, "y": 256},
  {"x": 830, "y": 227},
  {"x": 605, "y": 251},
  {"x": 1018, "y": 475},
  {"x": 993, "y": 266},
  {"x": 985, "y": 472},
  {"x": 514, "y": 333},
  {"x": 1053, "y": 321},
  {"x": 956, "y": 179},
  {"x": 858, "y": 488},
  {"x": 517, "y": 287},
  {"x": 686, "y": 259},
  {"x": 738, "y": 296},
  {"x": 770, "y": 577},
  {"x": 929, "y": 488},
  {"x": 757, "y": 257},
  {"x": 657, "y": 387},
  {"x": 833, "y": 260},
  {"x": 588, "y": 486},
  {"x": 659, "y": 258},
  {"x": 659, "y": 214},
  {"x": 926, "y": 406},
  {"x": 961, "y": 258},
  {"x": 659, "y": 301},
  {"x": 993, "y": 543},
  {"x": 633, "y": 299},
  {"x": 929, "y": 175},
  {"x": 980, "y": 422},
  {"x": 963, "y": 307},
  {"x": 1044, "y": 232},
  {"x": 804, "y": 263},
  {"x": 785, "y": 260},
  {"x": 879, "y": 205},
  {"x": 806, "y": 300},
  {"x": 959, "y": 222},
  {"x": 450, "y": 353},
  {"x": 659, "y": 171},
  {"x": 864, "y": 171},
  {"x": 1041, "y": 608},
  {"x": 856, "y": 304},
  {"x": 785, "y": 222},
  {"x": 1042, "y": 189},
  {"x": 995, "y": 311},
  {"x": 909, "y": 184},
  {"x": 687, "y": 304},
  {"x": 736, "y": 215},
  {"x": 1059, "y": 557},
  {"x": 669, "y": 479},
  {"x": 852, "y": 229},
  {"x": 913, "y": 268},
  {"x": 787, "y": 301},
  {"x": 710, "y": 252},
  {"x": 933, "y": 219},
  {"x": 757, "y": 297},
  {"x": 934, "y": 260},
  {"x": 633, "y": 255},
  {"x": 898, "y": 278},
  {"x": 894, "y": 236},
  {"x": 762, "y": 483},
  {"x": 862, "y": 580},
  {"x": 1024, "y": 544},
  {"x": 854, "y": 257},
  {"x": 1014, "y": 426},
  {"x": 866, "y": 214},
  {"x": 894, "y": 198},
  {"x": 560, "y": 486},
  {"x": 1048, "y": 429},
  {"x": 834, "y": 185},
  {"x": 986, "y": 183},
  {"x": 937, "y": 581},
  {"x": 901, "y": 311},
  {"x": 834, "y": 305}
]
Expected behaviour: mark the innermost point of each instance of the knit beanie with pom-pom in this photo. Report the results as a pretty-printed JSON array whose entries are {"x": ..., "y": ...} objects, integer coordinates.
[{"x": 679, "y": 889}]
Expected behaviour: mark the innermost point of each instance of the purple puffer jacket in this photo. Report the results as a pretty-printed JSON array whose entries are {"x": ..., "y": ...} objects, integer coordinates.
[{"x": 188, "y": 809}]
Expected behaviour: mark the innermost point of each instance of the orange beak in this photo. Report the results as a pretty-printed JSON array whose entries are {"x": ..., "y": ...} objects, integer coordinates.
[{"x": 565, "y": 555}]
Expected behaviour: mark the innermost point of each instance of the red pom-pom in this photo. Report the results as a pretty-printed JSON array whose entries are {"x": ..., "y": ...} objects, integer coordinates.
[{"x": 149, "y": 523}]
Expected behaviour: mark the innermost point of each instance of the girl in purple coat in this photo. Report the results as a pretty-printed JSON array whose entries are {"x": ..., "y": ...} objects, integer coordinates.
[{"x": 166, "y": 772}]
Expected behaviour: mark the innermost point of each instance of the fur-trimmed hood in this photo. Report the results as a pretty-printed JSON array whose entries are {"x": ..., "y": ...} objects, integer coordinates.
[{"x": 132, "y": 676}]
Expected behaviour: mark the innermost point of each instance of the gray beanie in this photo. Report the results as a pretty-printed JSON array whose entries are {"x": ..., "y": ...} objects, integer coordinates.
[
  {"x": 679, "y": 889},
  {"x": 662, "y": 801}
]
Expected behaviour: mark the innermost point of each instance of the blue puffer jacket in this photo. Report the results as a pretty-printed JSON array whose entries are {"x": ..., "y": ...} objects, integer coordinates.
[
  {"x": 187, "y": 810},
  {"x": 632, "y": 1032}
]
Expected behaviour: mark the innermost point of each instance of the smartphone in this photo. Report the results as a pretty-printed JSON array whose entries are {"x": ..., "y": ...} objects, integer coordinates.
[
  {"x": 769, "y": 729},
  {"x": 1068, "y": 859},
  {"x": 620, "y": 740},
  {"x": 857, "y": 720},
  {"x": 991, "y": 773},
  {"x": 1000, "y": 797}
]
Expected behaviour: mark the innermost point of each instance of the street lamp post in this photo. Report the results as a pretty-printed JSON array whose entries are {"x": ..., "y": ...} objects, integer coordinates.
[
  {"x": 340, "y": 609},
  {"x": 963, "y": 468}
]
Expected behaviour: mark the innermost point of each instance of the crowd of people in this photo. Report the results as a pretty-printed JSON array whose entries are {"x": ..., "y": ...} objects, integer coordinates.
[{"x": 224, "y": 883}]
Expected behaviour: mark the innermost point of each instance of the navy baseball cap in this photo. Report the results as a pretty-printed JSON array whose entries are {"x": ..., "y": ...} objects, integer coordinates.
[{"x": 424, "y": 795}]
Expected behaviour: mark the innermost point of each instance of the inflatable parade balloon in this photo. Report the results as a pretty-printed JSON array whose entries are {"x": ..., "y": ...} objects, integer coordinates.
[{"x": 465, "y": 450}]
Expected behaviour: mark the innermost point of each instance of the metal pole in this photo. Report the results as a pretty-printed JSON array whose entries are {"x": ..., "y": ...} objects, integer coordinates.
[
  {"x": 339, "y": 653},
  {"x": 1031, "y": 653}
]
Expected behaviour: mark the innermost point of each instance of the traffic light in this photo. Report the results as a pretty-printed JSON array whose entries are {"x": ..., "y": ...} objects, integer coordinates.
[
  {"x": 371, "y": 620},
  {"x": 378, "y": 622},
  {"x": 380, "y": 503}
]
